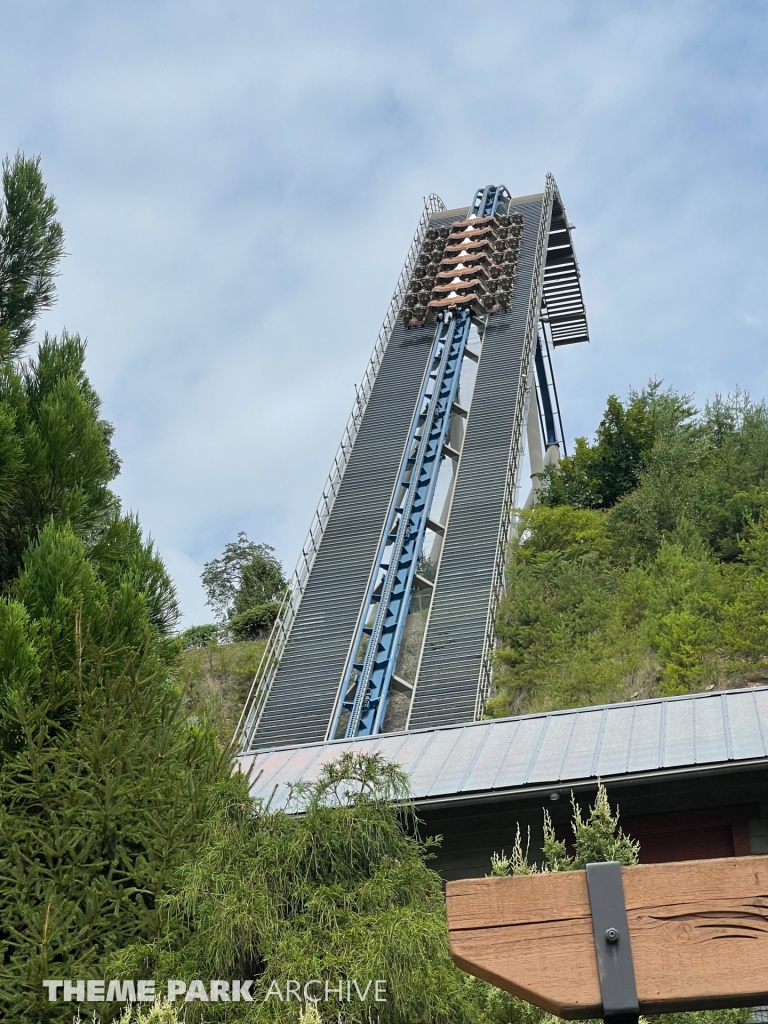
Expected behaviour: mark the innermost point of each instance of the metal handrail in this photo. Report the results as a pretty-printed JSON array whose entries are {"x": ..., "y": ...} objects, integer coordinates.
[
  {"x": 498, "y": 580},
  {"x": 278, "y": 638}
]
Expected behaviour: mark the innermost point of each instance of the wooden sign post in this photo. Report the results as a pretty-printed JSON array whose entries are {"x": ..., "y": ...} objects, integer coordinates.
[{"x": 695, "y": 936}]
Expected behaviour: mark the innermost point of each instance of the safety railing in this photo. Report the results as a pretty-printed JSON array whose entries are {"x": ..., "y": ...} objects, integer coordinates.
[
  {"x": 278, "y": 638},
  {"x": 498, "y": 580}
]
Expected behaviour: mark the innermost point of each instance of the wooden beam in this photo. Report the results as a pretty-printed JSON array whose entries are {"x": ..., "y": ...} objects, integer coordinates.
[{"x": 698, "y": 930}]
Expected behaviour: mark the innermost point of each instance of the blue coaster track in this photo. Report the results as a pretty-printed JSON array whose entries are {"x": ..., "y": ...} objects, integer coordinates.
[{"x": 373, "y": 655}]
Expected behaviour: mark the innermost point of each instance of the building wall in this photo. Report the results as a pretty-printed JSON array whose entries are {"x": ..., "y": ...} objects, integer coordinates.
[{"x": 678, "y": 818}]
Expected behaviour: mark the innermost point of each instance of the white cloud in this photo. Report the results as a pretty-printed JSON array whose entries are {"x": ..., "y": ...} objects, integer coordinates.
[{"x": 239, "y": 184}]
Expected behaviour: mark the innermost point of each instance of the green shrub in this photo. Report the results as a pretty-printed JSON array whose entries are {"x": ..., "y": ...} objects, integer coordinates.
[
  {"x": 255, "y": 623},
  {"x": 200, "y": 636},
  {"x": 341, "y": 890},
  {"x": 663, "y": 593}
]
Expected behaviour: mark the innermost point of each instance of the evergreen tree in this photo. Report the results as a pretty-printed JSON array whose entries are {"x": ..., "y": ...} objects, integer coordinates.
[
  {"x": 31, "y": 245},
  {"x": 103, "y": 779},
  {"x": 56, "y": 459},
  {"x": 339, "y": 891}
]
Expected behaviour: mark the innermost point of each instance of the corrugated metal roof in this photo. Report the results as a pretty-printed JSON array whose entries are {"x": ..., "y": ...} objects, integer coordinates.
[{"x": 562, "y": 747}]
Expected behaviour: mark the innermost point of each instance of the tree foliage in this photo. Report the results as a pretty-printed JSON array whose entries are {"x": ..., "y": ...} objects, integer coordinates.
[
  {"x": 31, "y": 245},
  {"x": 598, "y": 474},
  {"x": 246, "y": 575},
  {"x": 103, "y": 778},
  {"x": 245, "y": 587},
  {"x": 255, "y": 622},
  {"x": 56, "y": 458},
  {"x": 340, "y": 891},
  {"x": 99, "y": 805},
  {"x": 663, "y": 593}
]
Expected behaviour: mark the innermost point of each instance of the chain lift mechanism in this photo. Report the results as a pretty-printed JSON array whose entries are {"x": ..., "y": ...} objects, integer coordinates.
[{"x": 371, "y": 665}]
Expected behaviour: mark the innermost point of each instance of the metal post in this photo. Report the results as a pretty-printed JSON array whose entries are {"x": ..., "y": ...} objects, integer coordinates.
[
  {"x": 547, "y": 413},
  {"x": 612, "y": 945}
]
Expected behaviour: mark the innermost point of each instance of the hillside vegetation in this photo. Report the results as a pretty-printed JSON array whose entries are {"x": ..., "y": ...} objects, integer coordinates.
[
  {"x": 642, "y": 571},
  {"x": 215, "y": 680}
]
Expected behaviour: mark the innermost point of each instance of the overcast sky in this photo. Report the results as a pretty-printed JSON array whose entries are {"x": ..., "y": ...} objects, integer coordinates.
[{"x": 239, "y": 183}]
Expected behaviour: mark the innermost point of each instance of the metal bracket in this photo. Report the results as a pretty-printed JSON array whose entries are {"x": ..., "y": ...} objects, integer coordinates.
[{"x": 612, "y": 945}]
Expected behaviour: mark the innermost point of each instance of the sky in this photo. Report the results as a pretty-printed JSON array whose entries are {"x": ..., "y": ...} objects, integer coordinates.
[{"x": 239, "y": 183}]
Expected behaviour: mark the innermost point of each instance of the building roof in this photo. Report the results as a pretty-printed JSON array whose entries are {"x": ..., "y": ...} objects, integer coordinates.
[{"x": 525, "y": 754}]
